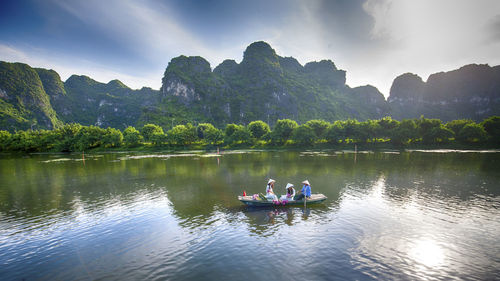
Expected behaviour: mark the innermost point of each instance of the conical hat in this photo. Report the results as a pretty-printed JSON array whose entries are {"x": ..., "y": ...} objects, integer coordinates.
[
  {"x": 270, "y": 181},
  {"x": 306, "y": 182}
]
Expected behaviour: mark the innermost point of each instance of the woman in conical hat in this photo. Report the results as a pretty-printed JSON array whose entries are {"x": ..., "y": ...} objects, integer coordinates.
[
  {"x": 290, "y": 192},
  {"x": 269, "y": 190}
]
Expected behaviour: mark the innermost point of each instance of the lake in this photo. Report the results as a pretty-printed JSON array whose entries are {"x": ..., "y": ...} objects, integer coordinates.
[{"x": 412, "y": 215}]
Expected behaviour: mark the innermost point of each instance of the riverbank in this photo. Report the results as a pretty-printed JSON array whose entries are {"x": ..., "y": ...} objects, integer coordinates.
[{"x": 351, "y": 147}]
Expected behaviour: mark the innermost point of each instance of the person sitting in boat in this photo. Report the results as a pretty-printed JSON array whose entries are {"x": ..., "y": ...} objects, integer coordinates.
[
  {"x": 290, "y": 192},
  {"x": 269, "y": 190},
  {"x": 305, "y": 192}
]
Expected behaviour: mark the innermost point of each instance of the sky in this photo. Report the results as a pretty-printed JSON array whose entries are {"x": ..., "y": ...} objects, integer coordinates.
[{"x": 133, "y": 41}]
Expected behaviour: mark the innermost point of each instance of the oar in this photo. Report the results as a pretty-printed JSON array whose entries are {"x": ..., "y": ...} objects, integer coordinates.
[{"x": 305, "y": 199}]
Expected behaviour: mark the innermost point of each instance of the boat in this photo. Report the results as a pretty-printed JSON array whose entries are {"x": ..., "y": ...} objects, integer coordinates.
[{"x": 262, "y": 202}]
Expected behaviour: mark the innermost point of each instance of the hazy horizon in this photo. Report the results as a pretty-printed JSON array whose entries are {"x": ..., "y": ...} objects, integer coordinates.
[{"x": 373, "y": 40}]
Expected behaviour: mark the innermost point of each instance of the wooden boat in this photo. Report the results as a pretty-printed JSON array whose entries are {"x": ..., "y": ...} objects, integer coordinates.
[{"x": 315, "y": 198}]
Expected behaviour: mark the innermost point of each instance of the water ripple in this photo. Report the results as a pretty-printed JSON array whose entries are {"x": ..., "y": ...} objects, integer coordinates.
[{"x": 376, "y": 224}]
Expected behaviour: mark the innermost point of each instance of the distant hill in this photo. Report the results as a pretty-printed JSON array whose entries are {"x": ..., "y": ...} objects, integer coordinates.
[
  {"x": 471, "y": 92},
  {"x": 113, "y": 104},
  {"x": 263, "y": 86}
]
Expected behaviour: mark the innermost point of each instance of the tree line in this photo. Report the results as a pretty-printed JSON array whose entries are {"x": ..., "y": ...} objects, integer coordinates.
[{"x": 286, "y": 132}]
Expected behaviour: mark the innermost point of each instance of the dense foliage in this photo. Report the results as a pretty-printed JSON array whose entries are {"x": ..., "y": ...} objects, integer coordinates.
[
  {"x": 23, "y": 100},
  {"x": 75, "y": 137},
  {"x": 132, "y": 137}
]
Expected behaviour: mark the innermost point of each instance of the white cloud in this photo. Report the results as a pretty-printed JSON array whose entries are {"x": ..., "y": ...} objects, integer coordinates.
[
  {"x": 67, "y": 66},
  {"x": 429, "y": 36},
  {"x": 11, "y": 53},
  {"x": 150, "y": 29},
  {"x": 422, "y": 37}
]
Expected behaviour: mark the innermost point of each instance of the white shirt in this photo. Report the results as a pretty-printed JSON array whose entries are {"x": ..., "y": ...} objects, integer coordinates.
[{"x": 269, "y": 189}]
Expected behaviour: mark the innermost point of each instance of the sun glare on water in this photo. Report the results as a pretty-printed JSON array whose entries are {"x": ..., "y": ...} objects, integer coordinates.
[{"x": 427, "y": 253}]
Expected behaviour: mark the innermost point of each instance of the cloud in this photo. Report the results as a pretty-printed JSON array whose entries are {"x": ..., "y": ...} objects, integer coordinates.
[
  {"x": 10, "y": 53},
  {"x": 377, "y": 40},
  {"x": 430, "y": 36},
  {"x": 493, "y": 30},
  {"x": 134, "y": 41},
  {"x": 67, "y": 66},
  {"x": 373, "y": 40},
  {"x": 148, "y": 28}
]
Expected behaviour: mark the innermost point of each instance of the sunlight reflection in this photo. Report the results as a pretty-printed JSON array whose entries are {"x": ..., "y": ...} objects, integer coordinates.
[{"x": 427, "y": 252}]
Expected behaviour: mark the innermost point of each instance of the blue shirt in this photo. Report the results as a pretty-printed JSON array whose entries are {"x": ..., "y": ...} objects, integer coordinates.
[{"x": 306, "y": 190}]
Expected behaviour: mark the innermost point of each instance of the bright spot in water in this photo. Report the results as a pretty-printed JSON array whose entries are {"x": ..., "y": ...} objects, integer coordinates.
[{"x": 427, "y": 252}]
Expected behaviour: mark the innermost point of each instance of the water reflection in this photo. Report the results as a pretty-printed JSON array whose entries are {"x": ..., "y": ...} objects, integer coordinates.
[
  {"x": 262, "y": 221},
  {"x": 407, "y": 215},
  {"x": 414, "y": 234},
  {"x": 427, "y": 253}
]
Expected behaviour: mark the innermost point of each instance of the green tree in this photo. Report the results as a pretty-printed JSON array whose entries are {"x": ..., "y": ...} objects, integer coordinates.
[
  {"x": 368, "y": 130},
  {"x": 283, "y": 130},
  {"x": 112, "y": 138},
  {"x": 472, "y": 133},
  {"x": 242, "y": 135},
  {"x": 148, "y": 130},
  {"x": 304, "y": 135},
  {"x": 386, "y": 126},
  {"x": 190, "y": 134},
  {"x": 65, "y": 137},
  {"x": 4, "y": 139},
  {"x": 441, "y": 134},
  {"x": 354, "y": 130},
  {"x": 182, "y": 134},
  {"x": 23, "y": 141},
  {"x": 335, "y": 132},
  {"x": 213, "y": 135},
  {"x": 43, "y": 140},
  {"x": 159, "y": 139},
  {"x": 492, "y": 127},
  {"x": 89, "y": 137},
  {"x": 208, "y": 133},
  {"x": 404, "y": 132},
  {"x": 457, "y": 125},
  {"x": 132, "y": 137},
  {"x": 432, "y": 131},
  {"x": 200, "y": 129},
  {"x": 230, "y": 129},
  {"x": 319, "y": 127},
  {"x": 258, "y": 129},
  {"x": 239, "y": 134}
]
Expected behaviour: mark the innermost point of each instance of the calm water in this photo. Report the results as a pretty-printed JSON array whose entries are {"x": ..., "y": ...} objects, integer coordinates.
[{"x": 390, "y": 216}]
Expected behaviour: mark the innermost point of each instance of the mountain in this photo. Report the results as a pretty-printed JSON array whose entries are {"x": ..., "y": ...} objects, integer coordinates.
[
  {"x": 23, "y": 101},
  {"x": 268, "y": 87},
  {"x": 263, "y": 86},
  {"x": 191, "y": 91},
  {"x": 37, "y": 98},
  {"x": 113, "y": 104},
  {"x": 473, "y": 92}
]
